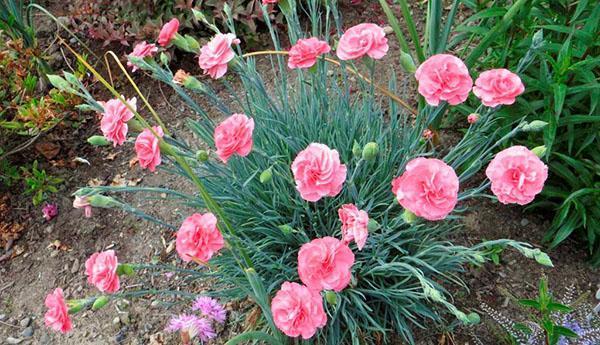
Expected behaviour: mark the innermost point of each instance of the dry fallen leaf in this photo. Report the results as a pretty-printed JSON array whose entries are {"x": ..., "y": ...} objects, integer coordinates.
[
  {"x": 58, "y": 245},
  {"x": 132, "y": 162},
  {"x": 47, "y": 149},
  {"x": 95, "y": 182},
  {"x": 111, "y": 156}
]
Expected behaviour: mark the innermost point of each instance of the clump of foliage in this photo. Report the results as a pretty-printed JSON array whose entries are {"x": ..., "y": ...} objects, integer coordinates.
[
  {"x": 565, "y": 321},
  {"x": 38, "y": 183},
  {"x": 125, "y": 20},
  {"x": 563, "y": 91}
]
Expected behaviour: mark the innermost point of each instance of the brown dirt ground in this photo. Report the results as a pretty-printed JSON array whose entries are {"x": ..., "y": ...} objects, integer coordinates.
[{"x": 40, "y": 267}]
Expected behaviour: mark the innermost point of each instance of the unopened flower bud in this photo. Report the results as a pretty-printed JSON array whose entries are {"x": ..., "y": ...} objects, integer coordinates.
[
  {"x": 408, "y": 216},
  {"x": 98, "y": 140},
  {"x": 539, "y": 151},
  {"x": 193, "y": 84},
  {"x": 472, "y": 118},
  {"x": 135, "y": 125},
  {"x": 75, "y": 305},
  {"x": 407, "y": 62},
  {"x": 164, "y": 58},
  {"x": 331, "y": 297},
  {"x": 356, "y": 150},
  {"x": 125, "y": 269},
  {"x": 202, "y": 155},
  {"x": 266, "y": 176},
  {"x": 100, "y": 302},
  {"x": 543, "y": 259},
  {"x": 473, "y": 318},
  {"x": 180, "y": 77},
  {"x": 286, "y": 229},
  {"x": 372, "y": 225},
  {"x": 534, "y": 126},
  {"x": 370, "y": 151},
  {"x": 99, "y": 200}
]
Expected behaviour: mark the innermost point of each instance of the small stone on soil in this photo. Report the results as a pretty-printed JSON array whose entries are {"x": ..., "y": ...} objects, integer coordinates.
[
  {"x": 11, "y": 340},
  {"x": 25, "y": 322},
  {"x": 524, "y": 222},
  {"x": 2, "y": 317},
  {"x": 75, "y": 267},
  {"x": 27, "y": 332}
]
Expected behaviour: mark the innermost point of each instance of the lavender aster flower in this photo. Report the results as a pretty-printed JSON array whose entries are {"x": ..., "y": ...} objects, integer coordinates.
[
  {"x": 192, "y": 325},
  {"x": 209, "y": 307}
]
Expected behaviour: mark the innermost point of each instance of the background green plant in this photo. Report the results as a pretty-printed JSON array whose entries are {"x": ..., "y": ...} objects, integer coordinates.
[{"x": 562, "y": 89}]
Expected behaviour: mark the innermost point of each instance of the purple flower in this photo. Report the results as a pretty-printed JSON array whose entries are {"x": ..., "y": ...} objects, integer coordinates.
[
  {"x": 193, "y": 325},
  {"x": 50, "y": 211},
  {"x": 209, "y": 307}
]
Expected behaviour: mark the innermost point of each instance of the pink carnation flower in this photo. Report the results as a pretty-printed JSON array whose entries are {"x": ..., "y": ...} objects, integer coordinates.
[
  {"x": 50, "y": 211},
  {"x": 198, "y": 238},
  {"x": 444, "y": 77},
  {"x": 428, "y": 188},
  {"x": 325, "y": 264},
  {"x": 114, "y": 119},
  {"x": 142, "y": 50},
  {"x": 363, "y": 39},
  {"x": 305, "y": 52},
  {"x": 318, "y": 172},
  {"x": 147, "y": 148},
  {"x": 266, "y": 2},
  {"x": 57, "y": 316},
  {"x": 298, "y": 310},
  {"x": 167, "y": 32},
  {"x": 84, "y": 203},
  {"x": 498, "y": 86},
  {"x": 216, "y": 54},
  {"x": 517, "y": 175},
  {"x": 101, "y": 270},
  {"x": 234, "y": 136},
  {"x": 355, "y": 224}
]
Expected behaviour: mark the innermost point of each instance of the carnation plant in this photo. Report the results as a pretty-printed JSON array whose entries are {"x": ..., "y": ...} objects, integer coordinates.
[{"x": 322, "y": 199}]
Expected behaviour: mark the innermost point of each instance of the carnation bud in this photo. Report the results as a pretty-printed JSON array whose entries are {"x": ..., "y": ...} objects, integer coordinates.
[
  {"x": 331, "y": 297},
  {"x": 407, "y": 62},
  {"x": 534, "y": 126},
  {"x": 202, "y": 155},
  {"x": 286, "y": 229},
  {"x": 372, "y": 225},
  {"x": 473, "y": 318},
  {"x": 462, "y": 317},
  {"x": 164, "y": 58},
  {"x": 99, "y": 200},
  {"x": 370, "y": 151},
  {"x": 543, "y": 259},
  {"x": 472, "y": 118},
  {"x": 539, "y": 151},
  {"x": 98, "y": 140},
  {"x": 266, "y": 176},
  {"x": 408, "y": 216},
  {"x": 193, "y": 84},
  {"x": 135, "y": 125},
  {"x": 433, "y": 294},
  {"x": 356, "y": 150},
  {"x": 100, "y": 302}
]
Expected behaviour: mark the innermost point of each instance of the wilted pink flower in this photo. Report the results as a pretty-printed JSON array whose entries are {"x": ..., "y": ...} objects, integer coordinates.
[
  {"x": 325, "y": 264},
  {"x": 427, "y": 134},
  {"x": 498, "y": 86},
  {"x": 215, "y": 55},
  {"x": 305, "y": 52},
  {"x": 444, "y": 77},
  {"x": 142, "y": 50},
  {"x": 363, "y": 39},
  {"x": 84, "y": 203},
  {"x": 210, "y": 308},
  {"x": 101, "y": 271},
  {"x": 318, "y": 172},
  {"x": 167, "y": 32},
  {"x": 180, "y": 77},
  {"x": 234, "y": 136},
  {"x": 147, "y": 148},
  {"x": 114, "y": 119},
  {"x": 355, "y": 224},
  {"x": 428, "y": 188},
  {"x": 50, "y": 211},
  {"x": 517, "y": 175},
  {"x": 193, "y": 326},
  {"x": 198, "y": 238},
  {"x": 472, "y": 118},
  {"x": 298, "y": 310},
  {"x": 57, "y": 316}
]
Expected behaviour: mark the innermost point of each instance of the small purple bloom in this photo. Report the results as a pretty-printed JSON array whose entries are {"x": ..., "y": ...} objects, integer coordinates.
[
  {"x": 50, "y": 211},
  {"x": 193, "y": 325},
  {"x": 209, "y": 307}
]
